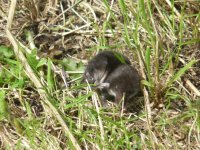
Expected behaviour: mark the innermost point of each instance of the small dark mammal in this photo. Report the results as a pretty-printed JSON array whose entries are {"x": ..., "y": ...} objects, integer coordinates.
[
  {"x": 123, "y": 81},
  {"x": 114, "y": 77},
  {"x": 102, "y": 65}
]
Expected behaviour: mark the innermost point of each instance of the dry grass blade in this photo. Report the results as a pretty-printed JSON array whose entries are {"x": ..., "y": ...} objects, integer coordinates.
[
  {"x": 34, "y": 78},
  {"x": 5, "y": 139},
  {"x": 192, "y": 87},
  {"x": 175, "y": 10},
  {"x": 146, "y": 99},
  {"x": 65, "y": 11},
  {"x": 95, "y": 101}
]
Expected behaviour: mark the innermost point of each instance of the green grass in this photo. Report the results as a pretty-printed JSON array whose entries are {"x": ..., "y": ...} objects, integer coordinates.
[{"x": 162, "y": 41}]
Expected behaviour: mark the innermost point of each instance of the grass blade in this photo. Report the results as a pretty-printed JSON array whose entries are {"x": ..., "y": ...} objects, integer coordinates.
[{"x": 181, "y": 72}]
